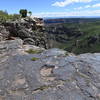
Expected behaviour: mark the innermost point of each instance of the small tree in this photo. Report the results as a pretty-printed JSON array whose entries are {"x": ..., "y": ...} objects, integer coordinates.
[
  {"x": 23, "y": 12},
  {"x": 30, "y": 13}
]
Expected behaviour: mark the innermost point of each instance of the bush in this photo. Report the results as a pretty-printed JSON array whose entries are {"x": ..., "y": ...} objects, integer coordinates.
[
  {"x": 23, "y": 12},
  {"x": 30, "y": 13},
  {"x": 31, "y": 51},
  {"x": 4, "y": 16},
  {"x": 34, "y": 59}
]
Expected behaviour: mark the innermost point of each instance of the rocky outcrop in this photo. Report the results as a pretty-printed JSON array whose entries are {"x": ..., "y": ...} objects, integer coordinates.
[
  {"x": 52, "y": 74},
  {"x": 30, "y": 30},
  {"x": 4, "y": 33}
]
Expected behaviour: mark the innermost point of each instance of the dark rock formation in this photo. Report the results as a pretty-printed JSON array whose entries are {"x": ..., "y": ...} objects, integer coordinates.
[
  {"x": 92, "y": 40},
  {"x": 27, "y": 29},
  {"x": 55, "y": 75}
]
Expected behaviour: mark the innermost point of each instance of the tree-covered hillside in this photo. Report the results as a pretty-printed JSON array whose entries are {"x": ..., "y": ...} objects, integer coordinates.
[{"x": 74, "y": 37}]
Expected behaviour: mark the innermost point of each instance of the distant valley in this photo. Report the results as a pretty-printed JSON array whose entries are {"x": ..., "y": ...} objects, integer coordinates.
[
  {"x": 78, "y": 35},
  {"x": 70, "y": 20}
]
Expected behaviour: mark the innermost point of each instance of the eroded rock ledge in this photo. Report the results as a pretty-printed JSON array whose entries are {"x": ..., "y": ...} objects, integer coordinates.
[
  {"x": 53, "y": 74},
  {"x": 30, "y": 30}
]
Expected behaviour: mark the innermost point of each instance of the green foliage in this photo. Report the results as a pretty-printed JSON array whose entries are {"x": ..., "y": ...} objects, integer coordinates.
[
  {"x": 4, "y": 16},
  {"x": 69, "y": 32},
  {"x": 23, "y": 12},
  {"x": 34, "y": 59},
  {"x": 30, "y": 13},
  {"x": 3, "y": 13},
  {"x": 31, "y": 51},
  {"x": 90, "y": 29},
  {"x": 15, "y": 16}
]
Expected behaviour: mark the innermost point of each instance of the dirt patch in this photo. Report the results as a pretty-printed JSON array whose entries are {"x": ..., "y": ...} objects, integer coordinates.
[{"x": 46, "y": 73}]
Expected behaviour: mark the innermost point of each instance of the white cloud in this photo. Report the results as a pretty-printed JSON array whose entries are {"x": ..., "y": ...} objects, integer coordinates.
[
  {"x": 67, "y": 14},
  {"x": 68, "y": 2},
  {"x": 88, "y": 6},
  {"x": 96, "y": 5},
  {"x": 82, "y": 7},
  {"x": 79, "y": 8}
]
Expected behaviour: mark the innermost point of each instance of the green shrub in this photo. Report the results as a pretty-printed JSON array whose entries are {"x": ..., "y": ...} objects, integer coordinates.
[
  {"x": 30, "y": 13},
  {"x": 4, "y": 16},
  {"x": 23, "y": 12},
  {"x": 34, "y": 59},
  {"x": 31, "y": 51}
]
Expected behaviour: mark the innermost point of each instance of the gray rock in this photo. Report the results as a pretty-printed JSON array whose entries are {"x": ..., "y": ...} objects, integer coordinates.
[
  {"x": 29, "y": 41},
  {"x": 4, "y": 34},
  {"x": 53, "y": 76},
  {"x": 10, "y": 45}
]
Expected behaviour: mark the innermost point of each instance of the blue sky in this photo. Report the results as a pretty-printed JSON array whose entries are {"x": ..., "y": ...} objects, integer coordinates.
[{"x": 53, "y": 8}]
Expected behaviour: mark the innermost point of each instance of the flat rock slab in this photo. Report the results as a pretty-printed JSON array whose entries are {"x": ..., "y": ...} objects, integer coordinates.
[{"x": 53, "y": 76}]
